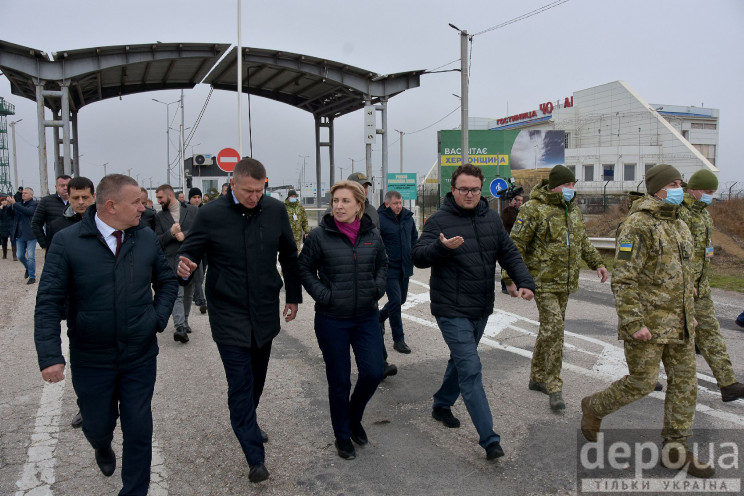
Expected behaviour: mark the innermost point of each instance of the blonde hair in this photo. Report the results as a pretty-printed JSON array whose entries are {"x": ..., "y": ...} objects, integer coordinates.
[{"x": 356, "y": 190}]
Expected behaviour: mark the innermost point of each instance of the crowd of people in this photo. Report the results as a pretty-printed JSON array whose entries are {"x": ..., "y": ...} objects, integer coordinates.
[{"x": 135, "y": 269}]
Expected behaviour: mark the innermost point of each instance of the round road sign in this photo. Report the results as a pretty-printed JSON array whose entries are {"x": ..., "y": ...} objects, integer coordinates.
[
  {"x": 227, "y": 159},
  {"x": 497, "y": 185}
]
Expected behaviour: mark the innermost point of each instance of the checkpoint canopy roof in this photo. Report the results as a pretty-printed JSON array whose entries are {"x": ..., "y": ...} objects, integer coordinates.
[{"x": 322, "y": 87}]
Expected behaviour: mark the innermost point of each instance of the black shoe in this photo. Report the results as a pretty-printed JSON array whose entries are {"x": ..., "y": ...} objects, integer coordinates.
[
  {"x": 258, "y": 473},
  {"x": 25, "y": 274},
  {"x": 264, "y": 436},
  {"x": 390, "y": 369},
  {"x": 494, "y": 451},
  {"x": 203, "y": 308},
  {"x": 358, "y": 435},
  {"x": 77, "y": 420},
  {"x": 188, "y": 329},
  {"x": 345, "y": 449},
  {"x": 401, "y": 347},
  {"x": 697, "y": 350},
  {"x": 505, "y": 291},
  {"x": 444, "y": 415},
  {"x": 180, "y": 335},
  {"x": 659, "y": 386},
  {"x": 537, "y": 386},
  {"x": 31, "y": 280},
  {"x": 106, "y": 460},
  {"x": 740, "y": 320}
]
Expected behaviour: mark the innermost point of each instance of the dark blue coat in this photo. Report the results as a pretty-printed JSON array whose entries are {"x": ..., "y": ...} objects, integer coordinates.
[
  {"x": 24, "y": 212},
  {"x": 7, "y": 221},
  {"x": 345, "y": 280},
  {"x": 112, "y": 317},
  {"x": 399, "y": 235},
  {"x": 463, "y": 280}
]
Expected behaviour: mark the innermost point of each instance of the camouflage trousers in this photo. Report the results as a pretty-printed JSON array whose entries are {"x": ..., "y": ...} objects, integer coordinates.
[
  {"x": 547, "y": 358},
  {"x": 643, "y": 366},
  {"x": 710, "y": 342}
]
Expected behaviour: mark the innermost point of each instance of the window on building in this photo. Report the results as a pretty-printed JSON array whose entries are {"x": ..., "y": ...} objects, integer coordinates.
[
  {"x": 686, "y": 134},
  {"x": 647, "y": 168},
  {"x": 566, "y": 139},
  {"x": 572, "y": 168},
  {"x": 708, "y": 151},
  {"x": 209, "y": 185},
  {"x": 629, "y": 172},
  {"x": 589, "y": 173},
  {"x": 700, "y": 125},
  {"x": 608, "y": 172}
]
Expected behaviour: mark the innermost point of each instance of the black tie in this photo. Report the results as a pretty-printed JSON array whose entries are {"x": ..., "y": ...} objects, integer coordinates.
[{"x": 118, "y": 235}]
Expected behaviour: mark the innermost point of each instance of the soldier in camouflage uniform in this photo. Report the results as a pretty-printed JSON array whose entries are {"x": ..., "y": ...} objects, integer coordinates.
[
  {"x": 653, "y": 287},
  {"x": 551, "y": 237},
  {"x": 297, "y": 217},
  {"x": 703, "y": 184}
]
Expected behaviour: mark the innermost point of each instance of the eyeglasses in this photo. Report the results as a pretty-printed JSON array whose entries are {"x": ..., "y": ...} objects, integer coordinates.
[{"x": 465, "y": 191}]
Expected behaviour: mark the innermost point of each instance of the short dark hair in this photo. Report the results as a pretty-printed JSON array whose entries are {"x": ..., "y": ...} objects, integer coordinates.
[
  {"x": 81, "y": 183},
  {"x": 392, "y": 194},
  {"x": 110, "y": 186},
  {"x": 165, "y": 187},
  {"x": 63, "y": 176},
  {"x": 249, "y": 167},
  {"x": 468, "y": 170}
]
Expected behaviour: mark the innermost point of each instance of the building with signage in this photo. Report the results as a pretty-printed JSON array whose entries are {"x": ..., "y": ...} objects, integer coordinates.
[{"x": 612, "y": 136}]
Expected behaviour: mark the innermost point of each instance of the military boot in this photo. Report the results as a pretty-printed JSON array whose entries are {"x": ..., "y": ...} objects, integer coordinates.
[
  {"x": 732, "y": 392},
  {"x": 675, "y": 456},
  {"x": 556, "y": 401},
  {"x": 590, "y": 423},
  {"x": 537, "y": 386}
]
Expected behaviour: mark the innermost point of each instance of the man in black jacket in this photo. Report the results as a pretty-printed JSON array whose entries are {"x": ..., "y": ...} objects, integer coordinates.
[
  {"x": 241, "y": 233},
  {"x": 172, "y": 225},
  {"x": 148, "y": 216},
  {"x": 462, "y": 243},
  {"x": 50, "y": 208},
  {"x": 105, "y": 267},
  {"x": 23, "y": 213}
]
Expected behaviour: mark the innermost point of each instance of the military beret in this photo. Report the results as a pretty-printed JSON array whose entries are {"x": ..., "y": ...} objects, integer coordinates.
[
  {"x": 560, "y": 174},
  {"x": 703, "y": 179},
  {"x": 659, "y": 176}
]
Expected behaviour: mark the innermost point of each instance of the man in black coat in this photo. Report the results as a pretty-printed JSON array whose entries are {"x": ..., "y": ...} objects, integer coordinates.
[
  {"x": 148, "y": 216},
  {"x": 50, "y": 208},
  {"x": 172, "y": 225},
  {"x": 461, "y": 243},
  {"x": 241, "y": 233},
  {"x": 105, "y": 267},
  {"x": 23, "y": 212}
]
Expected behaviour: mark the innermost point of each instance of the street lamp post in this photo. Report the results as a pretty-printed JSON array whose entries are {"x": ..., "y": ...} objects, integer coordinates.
[
  {"x": 304, "y": 162},
  {"x": 167, "y": 136},
  {"x": 15, "y": 162},
  {"x": 104, "y": 169}
]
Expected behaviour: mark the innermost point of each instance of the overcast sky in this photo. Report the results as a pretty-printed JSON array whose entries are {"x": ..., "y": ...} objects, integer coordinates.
[{"x": 676, "y": 52}]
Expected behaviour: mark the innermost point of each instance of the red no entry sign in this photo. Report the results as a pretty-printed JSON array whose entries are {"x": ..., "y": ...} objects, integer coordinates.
[{"x": 227, "y": 159}]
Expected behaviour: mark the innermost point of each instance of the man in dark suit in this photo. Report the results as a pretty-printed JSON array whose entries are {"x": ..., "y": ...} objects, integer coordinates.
[
  {"x": 50, "y": 208},
  {"x": 172, "y": 225},
  {"x": 241, "y": 233},
  {"x": 106, "y": 267},
  {"x": 148, "y": 216},
  {"x": 25, "y": 241}
]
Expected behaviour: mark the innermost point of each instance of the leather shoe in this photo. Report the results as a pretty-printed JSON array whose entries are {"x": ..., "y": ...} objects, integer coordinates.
[
  {"x": 264, "y": 436},
  {"x": 358, "y": 435},
  {"x": 401, "y": 347},
  {"x": 106, "y": 460},
  {"x": 180, "y": 335},
  {"x": 77, "y": 420},
  {"x": 494, "y": 451},
  {"x": 345, "y": 449},
  {"x": 732, "y": 392},
  {"x": 390, "y": 369},
  {"x": 258, "y": 473},
  {"x": 537, "y": 386},
  {"x": 444, "y": 415},
  {"x": 31, "y": 280},
  {"x": 203, "y": 308},
  {"x": 25, "y": 275},
  {"x": 187, "y": 329}
]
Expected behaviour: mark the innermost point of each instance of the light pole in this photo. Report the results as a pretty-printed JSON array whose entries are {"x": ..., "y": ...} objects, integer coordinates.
[
  {"x": 104, "y": 169},
  {"x": 463, "y": 91},
  {"x": 401, "y": 149},
  {"x": 167, "y": 137},
  {"x": 304, "y": 162},
  {"x": 15, "y": 162},
  {"x": 352, "y": 165}
]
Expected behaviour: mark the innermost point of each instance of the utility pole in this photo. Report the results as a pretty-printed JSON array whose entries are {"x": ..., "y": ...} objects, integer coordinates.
[
  {"x": 352, "y": 165},
  {"x": 463, "y": 92},
  {"x": 13, "y": 142},
  {"x": 401, "y": 150},
  {"x": 104, "y": 168}
]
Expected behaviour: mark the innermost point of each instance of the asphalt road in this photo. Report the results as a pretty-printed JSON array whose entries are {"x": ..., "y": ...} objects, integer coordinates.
[{"x": 196, "y": 453}]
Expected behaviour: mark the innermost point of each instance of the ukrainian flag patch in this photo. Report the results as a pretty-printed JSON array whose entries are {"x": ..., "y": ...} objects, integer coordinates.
[
  {"x": 518, "y": 225},
  {"x": 626, "y": 246},
  {"x": 624, "y": 251}
]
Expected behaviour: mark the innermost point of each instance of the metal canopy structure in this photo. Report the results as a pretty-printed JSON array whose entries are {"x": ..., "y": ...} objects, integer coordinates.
[{"x": 71, "y": 79}]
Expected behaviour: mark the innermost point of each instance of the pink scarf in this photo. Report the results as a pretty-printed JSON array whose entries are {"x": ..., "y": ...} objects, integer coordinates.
[{"x": 351, "y": 230}]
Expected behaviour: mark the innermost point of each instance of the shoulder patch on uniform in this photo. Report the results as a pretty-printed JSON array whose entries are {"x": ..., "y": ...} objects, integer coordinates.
[
  {"x": 518, "y": 224},
  {"x": 625, "y": 250}
]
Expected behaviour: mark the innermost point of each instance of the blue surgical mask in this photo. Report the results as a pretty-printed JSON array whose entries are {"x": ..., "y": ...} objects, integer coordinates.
[
  {"x": 705, "y": 198},
  {"x": 568, "y": 194},
  {"x": 674, "y": 196},
  {"x": 293, "y": 200}
]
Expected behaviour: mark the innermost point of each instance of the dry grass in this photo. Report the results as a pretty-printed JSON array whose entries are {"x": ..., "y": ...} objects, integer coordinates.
[{"x": 728, "y": 217}]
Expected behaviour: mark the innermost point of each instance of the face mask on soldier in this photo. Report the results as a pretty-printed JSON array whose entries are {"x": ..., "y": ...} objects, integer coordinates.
[
  {"x": 674, "y": 196},
  {"x": 568, "y": 194}
]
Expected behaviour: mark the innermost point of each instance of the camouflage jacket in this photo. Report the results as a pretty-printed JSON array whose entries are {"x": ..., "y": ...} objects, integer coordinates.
[
  {"x": 551, "y": 237},
  {"x": 297, "y": 219},
  {"x": 700, "y": 223},
  {"x": 652, "y": 278}
]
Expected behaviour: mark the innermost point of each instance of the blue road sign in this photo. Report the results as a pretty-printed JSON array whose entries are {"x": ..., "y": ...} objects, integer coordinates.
[{"x": 497, "y": 185}]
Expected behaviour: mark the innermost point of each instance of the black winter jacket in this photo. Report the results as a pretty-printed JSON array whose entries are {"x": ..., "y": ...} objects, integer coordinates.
[
  {"x": 243, "y": 284},
  {"x": 112, "y": 317},
  {"x": 164, "y": 221},
  {"x": 399, "y": 235},
  {"x": 344, "y": 280},
  {"x": 463, "y": 280},
  {"x": 50, "y": 208}
]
